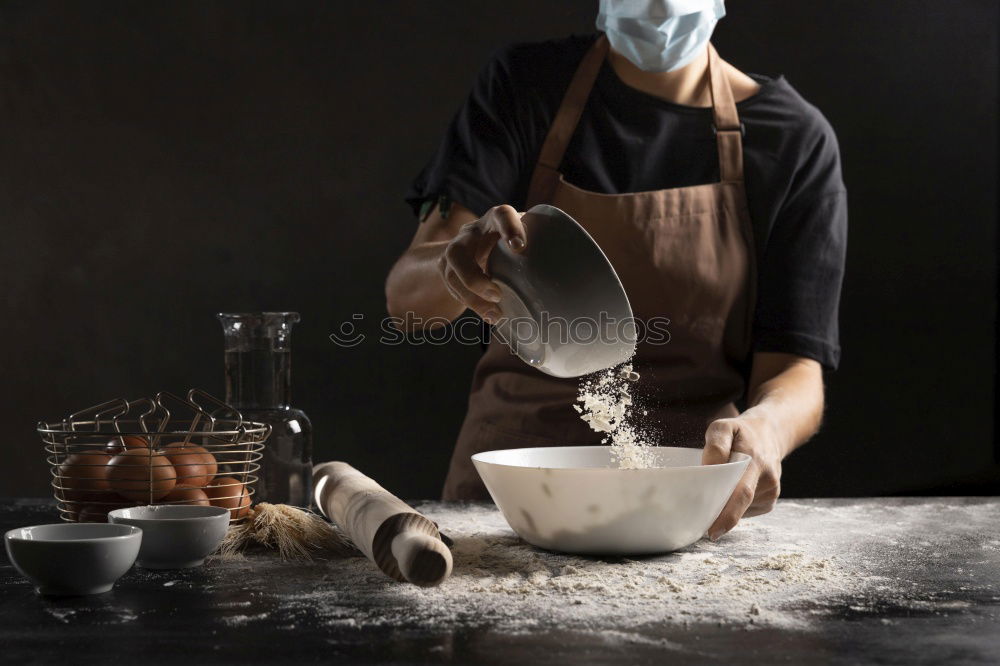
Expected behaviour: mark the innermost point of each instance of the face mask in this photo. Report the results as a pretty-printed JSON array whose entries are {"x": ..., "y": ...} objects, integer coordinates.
[{"x": 659, "y": 35}]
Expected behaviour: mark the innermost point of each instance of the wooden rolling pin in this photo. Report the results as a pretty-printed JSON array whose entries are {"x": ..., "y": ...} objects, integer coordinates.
[{"x": 404, "y": 544}]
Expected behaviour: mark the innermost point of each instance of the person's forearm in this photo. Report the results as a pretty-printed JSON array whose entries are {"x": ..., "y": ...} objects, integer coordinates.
[
  {"x": 789, "y": 404},
  {"x": 786, "y": 406},
  {"x": 414, "y": 285}
]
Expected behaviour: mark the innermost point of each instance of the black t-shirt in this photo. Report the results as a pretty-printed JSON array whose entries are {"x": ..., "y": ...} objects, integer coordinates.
[{"x": 628, "y": 141}]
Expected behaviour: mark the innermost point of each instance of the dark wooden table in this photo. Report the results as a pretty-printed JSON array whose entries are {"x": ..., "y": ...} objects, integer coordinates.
[{"x": 889, "y": 581}]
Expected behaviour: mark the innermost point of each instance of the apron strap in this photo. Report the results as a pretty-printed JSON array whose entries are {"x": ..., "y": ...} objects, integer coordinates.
[
  {"x": 728, "y": 129},
  {"x": 565, "y": 122}
]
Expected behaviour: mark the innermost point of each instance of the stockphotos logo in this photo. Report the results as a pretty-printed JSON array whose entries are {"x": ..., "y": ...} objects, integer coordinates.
[{"x": 545, "y": 330}]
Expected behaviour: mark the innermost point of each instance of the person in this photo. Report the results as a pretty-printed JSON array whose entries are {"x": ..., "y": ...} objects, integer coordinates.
[{"x": 716, "y": 195}]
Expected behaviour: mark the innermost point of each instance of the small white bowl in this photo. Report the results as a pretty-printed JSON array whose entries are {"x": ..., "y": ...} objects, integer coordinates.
[
  {"x": 73, "y": 558},
  {"x": 175, "y": 536},
  {"x": 563, "y": 308},
  {"x": 575, "y": 499}
]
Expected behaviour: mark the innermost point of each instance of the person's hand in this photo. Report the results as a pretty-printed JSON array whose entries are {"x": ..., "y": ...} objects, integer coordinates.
[
  {"x": 463, "y": 262},
  {"x": 758, "y": 488}
]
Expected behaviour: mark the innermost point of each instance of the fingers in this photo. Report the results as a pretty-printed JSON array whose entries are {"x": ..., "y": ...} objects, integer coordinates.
[
  {"x": 485, "y": 309},
  {"x": 719, "y": 441},
  {"x": 720, "y": 438},
  {"x": 506, "y": 221},
  {"x": 760, "y": 508},
  {"x": 758, "y": 489},
  {"x": 462, "y": 263},
  {"x": 739, "y": 502},
  {"x": 766, "y": 497},
  {"x": 460, "y": 260}
]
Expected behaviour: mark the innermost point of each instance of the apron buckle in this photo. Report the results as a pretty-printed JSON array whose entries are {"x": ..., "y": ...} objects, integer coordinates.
[{"x": 742, "y": 129}]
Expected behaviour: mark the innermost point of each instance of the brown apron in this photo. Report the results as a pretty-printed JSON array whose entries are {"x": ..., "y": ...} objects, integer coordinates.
[{"x": 683, "y": 254}]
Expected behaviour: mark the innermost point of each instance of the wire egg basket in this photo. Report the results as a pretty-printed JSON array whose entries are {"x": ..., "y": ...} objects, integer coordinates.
[{"x": 166, "y": 449}]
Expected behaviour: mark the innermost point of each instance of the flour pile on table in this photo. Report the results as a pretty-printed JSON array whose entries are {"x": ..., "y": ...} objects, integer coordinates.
[
  {"x": 760, "y": 576},
  {"x": 606, "y": 406}
]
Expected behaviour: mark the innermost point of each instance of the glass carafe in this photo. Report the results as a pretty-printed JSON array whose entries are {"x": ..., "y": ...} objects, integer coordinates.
[{"x": 258, "y": 383}]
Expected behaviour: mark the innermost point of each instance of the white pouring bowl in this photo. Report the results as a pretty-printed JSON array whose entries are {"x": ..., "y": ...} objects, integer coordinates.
[
  {"x": 575, "y": 499},
  {"x": 563, "y": 308}
]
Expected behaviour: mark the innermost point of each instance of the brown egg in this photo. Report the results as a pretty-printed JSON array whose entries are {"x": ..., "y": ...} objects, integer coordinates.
[
  {"x": 186, "y": 495},
  {"x": 123, "y": 443},
  {"x": 194, "y": 464},
  {"x": 82, "y": 476},
  {"x": 229, "y": 493},
  {"x": 141, "y": 477}
]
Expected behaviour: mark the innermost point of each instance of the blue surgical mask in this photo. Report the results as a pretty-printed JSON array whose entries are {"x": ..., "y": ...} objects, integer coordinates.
[{"x": 659, "y": 35}]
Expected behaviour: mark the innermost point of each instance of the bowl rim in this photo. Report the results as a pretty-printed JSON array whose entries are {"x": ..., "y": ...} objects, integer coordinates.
[
  {"x": 133, "y": 532},
  {"x": 216, "y": 513},
  {"x": 742, "y": 460}
]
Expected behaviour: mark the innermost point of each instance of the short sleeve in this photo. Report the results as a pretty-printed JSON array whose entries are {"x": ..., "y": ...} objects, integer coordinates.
[
  {"x": 799, "y": 280},
  {"x": 480, "y": 161}
]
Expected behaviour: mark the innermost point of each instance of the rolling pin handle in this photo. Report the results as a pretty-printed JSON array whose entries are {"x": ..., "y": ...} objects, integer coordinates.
[{"x": 422, "y": 559}]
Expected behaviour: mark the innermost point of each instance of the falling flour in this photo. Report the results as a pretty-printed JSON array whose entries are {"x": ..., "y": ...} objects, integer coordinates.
[{"x": 606, "y": 406}]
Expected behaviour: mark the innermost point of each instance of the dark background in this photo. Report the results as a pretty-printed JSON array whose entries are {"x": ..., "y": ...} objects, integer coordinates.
[{"x": 162, "y": 161}]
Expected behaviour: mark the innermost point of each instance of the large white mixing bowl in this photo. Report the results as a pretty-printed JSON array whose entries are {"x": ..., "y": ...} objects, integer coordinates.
[{"x": 575, "y": 499}]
